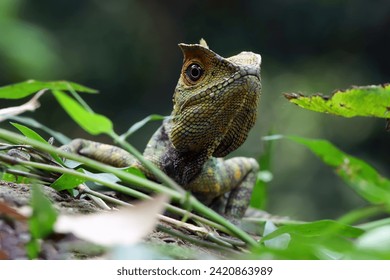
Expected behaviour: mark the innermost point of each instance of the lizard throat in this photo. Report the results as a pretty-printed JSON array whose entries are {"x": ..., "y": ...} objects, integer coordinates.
[{"x": 182, "y": 166}]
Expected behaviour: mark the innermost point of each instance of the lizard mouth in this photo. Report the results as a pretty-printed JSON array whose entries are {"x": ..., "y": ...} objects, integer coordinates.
[{"x": 248, "y": 62}]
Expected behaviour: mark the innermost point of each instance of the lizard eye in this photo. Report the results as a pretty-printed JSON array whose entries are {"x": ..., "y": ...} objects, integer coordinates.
[{"x": 194, "y": 72}]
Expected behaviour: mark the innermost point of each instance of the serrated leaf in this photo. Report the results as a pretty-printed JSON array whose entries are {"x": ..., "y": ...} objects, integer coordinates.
[
  {"x": 359, "y": 175},
  {"x": 91, "y": 122},
  {"x": 23, "y": 89},
  {"x": 367, "y": 101},
  {"x": 29, "y": 133},
  {"x": 43, "y": 217}
]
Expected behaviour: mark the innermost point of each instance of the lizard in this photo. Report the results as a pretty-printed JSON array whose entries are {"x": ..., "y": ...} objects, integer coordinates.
[{"x": 215, "y": 105}]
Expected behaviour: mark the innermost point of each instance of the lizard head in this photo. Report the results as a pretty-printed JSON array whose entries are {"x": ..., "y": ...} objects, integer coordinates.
[{"x": 215, "y": 100}]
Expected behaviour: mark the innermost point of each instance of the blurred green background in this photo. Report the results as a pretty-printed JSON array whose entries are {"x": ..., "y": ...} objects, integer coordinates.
[{"x": 128, "y": 51}]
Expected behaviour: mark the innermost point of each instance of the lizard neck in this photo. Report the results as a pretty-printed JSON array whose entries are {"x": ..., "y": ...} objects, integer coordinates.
[{"x": 181, "y": 166}]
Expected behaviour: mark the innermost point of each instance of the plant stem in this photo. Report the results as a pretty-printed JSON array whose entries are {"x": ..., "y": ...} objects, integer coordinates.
[
  {"x": 362, "y": 213},
  {"x": 133, "y": 179},
  {"x": 161, "y": 176}
]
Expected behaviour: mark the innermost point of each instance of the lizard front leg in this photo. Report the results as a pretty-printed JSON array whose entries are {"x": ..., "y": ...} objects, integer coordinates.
[
  {"x": 104, "y": 153},
  {"x": 226, "y": 185}
]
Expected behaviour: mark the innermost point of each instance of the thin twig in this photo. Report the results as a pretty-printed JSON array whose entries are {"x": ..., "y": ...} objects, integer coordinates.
[
  {"x": 229, "y": 243},
  {"x": 195, "y": 241}
]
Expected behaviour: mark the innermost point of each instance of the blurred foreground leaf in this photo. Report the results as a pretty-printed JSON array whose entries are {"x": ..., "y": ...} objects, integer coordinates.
[
  {"x": 41, "y": 221},
  {"x": 324, "y": 239},
  {"x": 317, "y": 228},
  {"x": 358, "y": 174},
  {"x": 44, "y": 216},
  {"x": 126, "y": 226},
  {"x": 377, "y": 239},
  {"x": 367, "y": 101},
  {"x": 259, "y": 196}
]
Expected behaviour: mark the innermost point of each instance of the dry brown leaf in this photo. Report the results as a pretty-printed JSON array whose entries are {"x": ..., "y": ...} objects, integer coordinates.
[
  {"x": 126, "y": 226},
  {"x": 7, "y": 210}
]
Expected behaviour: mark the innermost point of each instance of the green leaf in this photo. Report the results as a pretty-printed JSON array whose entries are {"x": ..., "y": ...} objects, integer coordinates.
[
  {"x": 317, "y": 229},
  {"x": 91, "y": 122},
  {"x": 58, "y": 136},
  {"x": 140, "y": 124},
  {"x": 67, "y": 182},
  {"x": 29, "y": 133},
  {"x": 279, "y": 242},
  {"x": 43, "y": 217},
  {"x": 359, "y": 175},
  {"x": 33, "y": 247},
  {"x": 324, "y": 239},
  {"x": 260, "y": 191},
  {"x": 134, "y": 171},
  {"x": 367, "y": 101},
  {"x": 8, "y": 177},
  {"x": 23, "y": 89}
]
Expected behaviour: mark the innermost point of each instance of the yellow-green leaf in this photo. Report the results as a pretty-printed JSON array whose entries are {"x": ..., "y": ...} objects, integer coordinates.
[{"x": 367, "y": 101}]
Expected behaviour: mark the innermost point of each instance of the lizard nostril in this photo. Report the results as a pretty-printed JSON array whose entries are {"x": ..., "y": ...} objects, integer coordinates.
[{"x": 194, "y": 72}]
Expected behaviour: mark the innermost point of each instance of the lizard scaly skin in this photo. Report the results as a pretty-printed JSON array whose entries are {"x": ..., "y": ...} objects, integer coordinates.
[{"x": 215, "y": 106}]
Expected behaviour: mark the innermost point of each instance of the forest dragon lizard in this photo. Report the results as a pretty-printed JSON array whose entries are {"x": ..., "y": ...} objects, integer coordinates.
[{"x": 215, "y": 106}]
